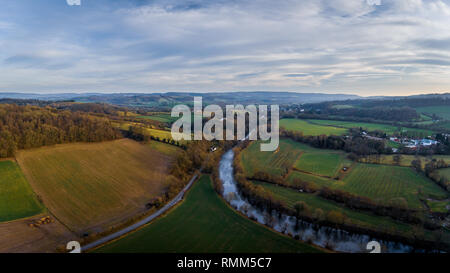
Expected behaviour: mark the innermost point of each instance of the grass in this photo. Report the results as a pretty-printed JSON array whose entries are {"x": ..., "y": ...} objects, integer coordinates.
[
  {"x": 405, "y": 160},
  {"x": 342, "y": 106},
  {"x": 17, "y": 199},
  {"x": 441, "y": 111},
  {"x": 439, "y": 206},
  {"x": 90, "y": 187},
  {"x": 161, "y": 117},
  {"x": 388, "y": 129},
  {"x": 166, "y": 149},
  {"x": 445, "y": 173},
  {"x": 385, "y": 183},
  {"x": 321, "y": 181},
  {"x": 290, "y": 197},
  {"x": 310, "y": 129},
  {"x": 325, "y": 162},
  {"x": 203, "y": 223},
  {"x": 161, "y": 134},
  {"x": 276, "y": 162}
]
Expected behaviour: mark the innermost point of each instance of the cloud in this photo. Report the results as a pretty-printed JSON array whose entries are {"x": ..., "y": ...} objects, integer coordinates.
[{"x": 358, "y": 46}]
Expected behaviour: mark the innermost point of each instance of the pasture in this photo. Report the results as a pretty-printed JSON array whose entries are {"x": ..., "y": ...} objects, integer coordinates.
[
  {"x": 276, "y": 163},
  {"x": 445, "y": 173},
  {"x": 17, "y": 199},
  {"x": 18, "y": 237},
  {"x": 323, "y": 162},
  {"x": 382, "y": 183},
  {"x": 204, "y": 223},
  {"x": 92, "y": 186},
  {"x": 362, "y": 219},
  {"x": 310, "y": 129},
  {"x": 161, "y": 117},
  {"x": 389, "y": 183},
  {"x": 388, "y": 129},
  {"x": 405, "y": 160},
  {"x": 157, "y": 134},
  {"x": 292, "y": 154},
  {"x": 439, "y": 206},
  {"x": 440, "y": 111}
]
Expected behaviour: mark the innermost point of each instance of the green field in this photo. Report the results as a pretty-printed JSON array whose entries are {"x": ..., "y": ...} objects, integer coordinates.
[
  {"x": 276, "y": 163},
  {"x": 323, "y": 162},
  {"x": 310, "y": 129},
  {"x": 204, "y": 223},
  {"x": 383, "y": 183},
  {"x": 386, "y": 183},
  {"x": 293, "y": 154},
  {"x": 439, "y": 206},
  {"x": 290, "y": 197},
  {"x": 342, "y": 106},
  {"x": 321, "y": 181},
  {"x": 93, "y": 186},
  {"x": 445, "y": 173},
  {"x": 441, "y": 111},
  {"x": 388, "y": 129},
  {"x": 17, "y": 199},
  {"x": 405, "y": 160},
  {"x": 160, "y": 117},
  {"x": 156, "y": 133}
]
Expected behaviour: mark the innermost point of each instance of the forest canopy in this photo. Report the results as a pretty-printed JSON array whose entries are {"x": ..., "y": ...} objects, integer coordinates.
[{"x": 24, "y": 127}]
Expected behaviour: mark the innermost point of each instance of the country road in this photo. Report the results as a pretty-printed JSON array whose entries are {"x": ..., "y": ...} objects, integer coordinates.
[{"x": 142, "y": 222}]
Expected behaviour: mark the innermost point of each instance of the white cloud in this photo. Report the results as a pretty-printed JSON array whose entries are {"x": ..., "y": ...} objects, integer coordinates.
[{"x": 357, "y": 46}]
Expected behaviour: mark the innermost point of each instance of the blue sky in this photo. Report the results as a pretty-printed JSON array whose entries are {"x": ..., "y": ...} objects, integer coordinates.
[{"x": 364, "y": 47}]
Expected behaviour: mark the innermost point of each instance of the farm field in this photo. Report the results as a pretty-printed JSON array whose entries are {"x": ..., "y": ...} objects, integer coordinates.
[
  {"x": 92, "y": 186},
  {"x": 441, "y": 111},
  {"x": 387, "y": 183},
  {"x": 384, "y": 183},
  {"x": 310, "y": 129},
  {"x": 156, "y": 133},
  {"x": 446, "y": 125},
  {"x": 165, "y": 117},
  {"x": 17, "y": 199},
  {"x": 405, "y": 160},
  {"x": 290, "y": 197},
  {"x": 445, "y": 172},
  {"x": 293, "y": 154},
  {"x": 320, "y": 181},
  {"x": 323, "y": 162},
  {"x": 19, "y": 237},
  {"x": 439, "y": 206},
  {"x": 276, "y": 163},
  {"x": 379, "y": 182},
  {"x": 161, "y": 117},
  {"x": 388, "y": 129},
  {"x": 204, "y": 223}
]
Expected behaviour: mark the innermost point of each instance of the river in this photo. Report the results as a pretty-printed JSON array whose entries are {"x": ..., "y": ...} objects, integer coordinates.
[{"x": 332, "y": 238}]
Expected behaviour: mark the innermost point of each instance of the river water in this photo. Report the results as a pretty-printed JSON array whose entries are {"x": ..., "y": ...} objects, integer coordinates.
[{"x": 335, "y": 239}]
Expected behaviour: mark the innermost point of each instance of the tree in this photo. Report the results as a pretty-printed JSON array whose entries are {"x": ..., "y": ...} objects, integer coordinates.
[
  {"x": 336, "y": 217},
  {"x": 397, "y": 159},
  {"x": 318, "y": 214},
  {"x": 417, "y": 164}
]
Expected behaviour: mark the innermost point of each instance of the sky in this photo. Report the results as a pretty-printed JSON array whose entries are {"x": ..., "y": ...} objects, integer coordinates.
[{"x": 363, "y": 47}]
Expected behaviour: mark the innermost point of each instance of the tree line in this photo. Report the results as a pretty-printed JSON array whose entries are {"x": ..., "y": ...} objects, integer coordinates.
[{"x": 24, "y": 127}]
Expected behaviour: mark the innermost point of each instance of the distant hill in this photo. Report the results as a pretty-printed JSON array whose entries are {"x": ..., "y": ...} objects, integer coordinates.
[
  {"x": 172, "y": 98},
  {"x": 165, "y": 100}
]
